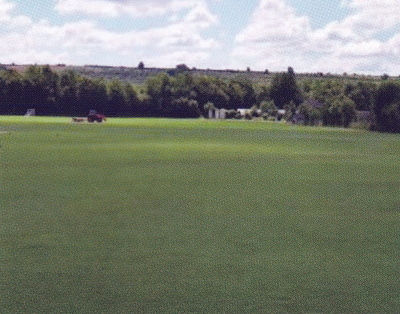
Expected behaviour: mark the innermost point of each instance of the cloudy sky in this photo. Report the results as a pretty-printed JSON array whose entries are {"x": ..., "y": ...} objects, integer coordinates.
[{"x": 353, "y": 36}]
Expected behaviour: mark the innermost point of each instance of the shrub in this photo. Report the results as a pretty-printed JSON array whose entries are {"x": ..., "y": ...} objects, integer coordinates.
[
  {"x": 290, "y": 110},
  {"x": 248, "y": 116},
  {"x": 268, "y": 110}
]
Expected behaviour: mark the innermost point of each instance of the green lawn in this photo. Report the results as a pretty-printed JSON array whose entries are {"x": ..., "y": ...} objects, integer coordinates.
[{"x": 197, "y": 216}]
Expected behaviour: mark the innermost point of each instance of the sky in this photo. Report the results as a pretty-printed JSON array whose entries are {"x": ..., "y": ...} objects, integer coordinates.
[{"x": 329, "y": 36}]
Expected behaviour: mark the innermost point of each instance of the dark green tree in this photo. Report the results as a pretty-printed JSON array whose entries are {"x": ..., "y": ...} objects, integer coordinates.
[
  {"x": 41, "y": 88},
  {"x": 182, "y": 85},
  {"x": 68, "y": 92},
  {"x": 132, "y": 100},
  {"x": 362, "y": 93},
  {"x": 324, "y": 90},
  {"x": 159, "y": 91},
  {"x": 180, "y": 68},
  {"x": 340, "y": 111},
  {"x": 284, "y": 89},
  {"x": 91, "y": 94},
  {"x": 241, "y": 93},
  {"x": 183, "y": 108},
  {"x": 117, "y": 98},
  {"x": 16, "y": 93},
  {"x": 387, "y": 107},
  {"x": 211, "y": 89},
  {"x": 310, "y": 111}
]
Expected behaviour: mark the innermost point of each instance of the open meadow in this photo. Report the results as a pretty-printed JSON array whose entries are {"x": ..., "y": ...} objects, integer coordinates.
[{"x": 197, "y": 216}]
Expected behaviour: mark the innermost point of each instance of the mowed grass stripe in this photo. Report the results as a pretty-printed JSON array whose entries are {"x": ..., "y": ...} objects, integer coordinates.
[{"x": 156, "y": 215}]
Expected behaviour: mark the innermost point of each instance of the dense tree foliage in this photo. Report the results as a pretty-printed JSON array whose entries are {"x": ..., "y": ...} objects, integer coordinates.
[
  {"x": 311, "y": 112},
  {"x": 165, "y": 91},
  {"x": 241, "y": 94},
  {"x": 212, "y": 90},
  {"x": 339, "y": 112},
  {"x": 335, "y": 102},
  {"x": 182, "y": 94},
  {"x": 362, "y": 93},
  {"x": 64, "y": 93},
  {"x": 387, "y": 107},
  {"x": 284, "y": 89}
]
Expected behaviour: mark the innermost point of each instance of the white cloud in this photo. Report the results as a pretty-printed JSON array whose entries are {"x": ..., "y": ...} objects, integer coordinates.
[
  {"x": 114, "y": 8},
  {"x": 200, "y": 16},
  {"x": 277, "y": 37},
  {"x": 274, "y": 19},
  {"x": 367, "y": 19},
  {"x": 5, "y": 10},
  {"x": 94, "y": 7},
  {"x": 176, "y": 42},
  {"x": 374, "y": 13},
  {"x": 274, "y": 36},
  {"x": 8, "y": 18},
  {"x": 354, "y": 41}
]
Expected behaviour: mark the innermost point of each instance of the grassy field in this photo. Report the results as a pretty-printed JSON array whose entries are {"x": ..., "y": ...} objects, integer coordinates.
[{"x": 196, "y": 216}]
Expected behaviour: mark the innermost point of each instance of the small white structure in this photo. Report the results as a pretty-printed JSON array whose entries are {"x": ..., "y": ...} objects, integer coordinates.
[
  {"x": 30, "y": 113},
  {"x": 243, "y": 112},
  {"x": 220, "y": 114},
  {"x": 216, "y": 113}
]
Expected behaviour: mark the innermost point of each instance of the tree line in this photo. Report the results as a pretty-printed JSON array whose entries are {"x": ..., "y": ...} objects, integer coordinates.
[
  {"x": 63, "y": 93},
  {"x": 180, "y": 94}
]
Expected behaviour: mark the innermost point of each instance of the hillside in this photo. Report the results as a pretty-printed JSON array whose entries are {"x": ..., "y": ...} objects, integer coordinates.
[{"x": 139, "y": 76}]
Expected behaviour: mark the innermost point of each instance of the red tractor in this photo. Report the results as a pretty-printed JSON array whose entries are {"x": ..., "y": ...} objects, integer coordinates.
[{"x": 96, "y": 117}]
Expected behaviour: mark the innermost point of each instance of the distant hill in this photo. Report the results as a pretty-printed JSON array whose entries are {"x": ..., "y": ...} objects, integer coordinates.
[{"x": 139, "y": 76}]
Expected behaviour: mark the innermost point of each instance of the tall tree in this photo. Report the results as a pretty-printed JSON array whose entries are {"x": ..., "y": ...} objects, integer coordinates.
[
  {"x": 132, "y": 100},
  {"x": 15, "y": 92},
  {"x": 41, "y": 83},
  {"x": 117, "y": 99},
  {"x": 159, "y": 91},
  {"x": 68, "y": 92},
  {"x": 284, "y": 89},
  {"x": 91, "y": 95}
]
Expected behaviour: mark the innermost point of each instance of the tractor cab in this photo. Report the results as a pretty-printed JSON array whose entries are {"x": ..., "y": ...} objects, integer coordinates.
[{"x": 93, "y": 116}]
